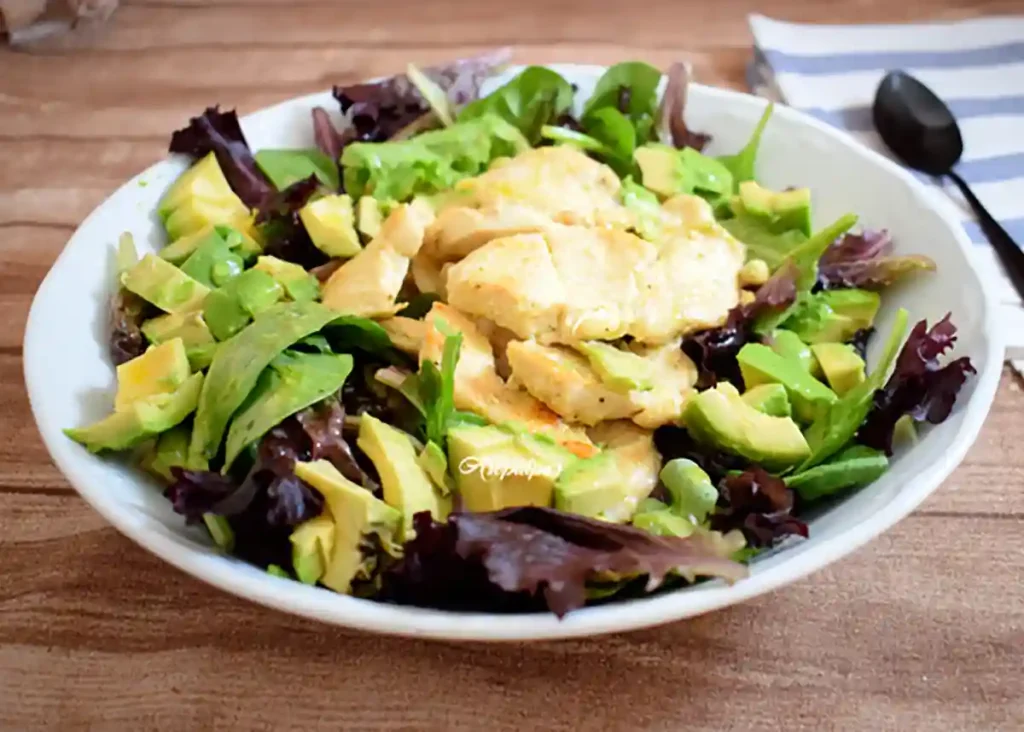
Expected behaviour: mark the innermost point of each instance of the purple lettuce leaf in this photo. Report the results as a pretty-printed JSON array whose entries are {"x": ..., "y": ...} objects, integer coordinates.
[
  {"x": 328, "y": 140},
  {"x": 672, "y": 126},
  {"x": 380, "y": 109},
  {"x": 864, "y": 260},
  {"x": 219, "y": 132},
  {"x": 506, "y": 560},
  {"x": 127, "y": 313},
  {"x": 324, "y": 425},
  {"x": 758, "y": 504},
  {"x": 919, "y": 385},
  {"x": 714, "y": 351},
  {"x": 284, "y": 235}
]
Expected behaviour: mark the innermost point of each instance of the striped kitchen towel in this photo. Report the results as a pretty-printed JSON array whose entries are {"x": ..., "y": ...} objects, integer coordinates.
[{"x": 977, "y": 66}]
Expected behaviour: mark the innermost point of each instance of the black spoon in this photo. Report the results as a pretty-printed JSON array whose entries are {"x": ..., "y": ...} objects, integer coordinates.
[{"x": 920, "y": 129}]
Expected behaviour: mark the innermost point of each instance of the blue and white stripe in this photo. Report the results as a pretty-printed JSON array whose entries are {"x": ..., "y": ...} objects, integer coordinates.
[{"x": 977, "y": 66}]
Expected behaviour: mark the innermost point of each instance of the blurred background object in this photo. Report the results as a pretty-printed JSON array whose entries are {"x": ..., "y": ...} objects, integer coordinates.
[{"x": 52, "y": 24}]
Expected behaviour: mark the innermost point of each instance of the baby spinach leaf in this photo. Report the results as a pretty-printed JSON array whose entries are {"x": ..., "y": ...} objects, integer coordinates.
[
  {"x": 535, "y": 97},
  {"x": 742, "y": 163}
]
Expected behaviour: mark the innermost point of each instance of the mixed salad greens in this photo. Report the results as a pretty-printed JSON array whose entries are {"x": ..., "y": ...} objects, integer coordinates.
[{"x": 505, "y": 352}]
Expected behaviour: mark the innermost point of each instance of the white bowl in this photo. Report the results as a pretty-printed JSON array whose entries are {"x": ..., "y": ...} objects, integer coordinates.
[{"x": 71, "y": 381}]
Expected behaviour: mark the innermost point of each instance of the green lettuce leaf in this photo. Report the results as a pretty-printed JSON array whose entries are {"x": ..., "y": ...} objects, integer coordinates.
[
  {"x": 531, "y": 100},
  {"x": 430, "y": 162}
]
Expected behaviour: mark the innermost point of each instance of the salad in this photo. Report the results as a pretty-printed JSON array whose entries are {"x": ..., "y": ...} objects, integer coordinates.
[{"x": 507, "y": 352}]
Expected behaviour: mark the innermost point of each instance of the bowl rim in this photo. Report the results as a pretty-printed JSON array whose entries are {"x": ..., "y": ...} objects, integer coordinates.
[{"x": 326, "y": 606}]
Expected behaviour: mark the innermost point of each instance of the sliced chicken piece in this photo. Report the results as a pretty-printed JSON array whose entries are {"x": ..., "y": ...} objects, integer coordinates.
[
  {"x": 573, "y": 283},
  {"x": 564, "y": 381},
  {"x": 406, "y": 334},
  {"x": 638, "y": 460},
  {"x": 524, "y": 194},
  {"x": 369, "y": 283},
  {"x": 511, "y": 281},
  {"x": 429, "y": 275},
  {"x": 674, "y": 378},
  {"x": 479, "y": 388}
]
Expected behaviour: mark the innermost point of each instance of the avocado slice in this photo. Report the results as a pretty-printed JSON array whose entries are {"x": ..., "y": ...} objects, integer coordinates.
[
  {"x": 787, "y": 344},
  {"x": 834, "y": 315},
  {"x": 312, "y": 546},
  {"x": 669, "y": 172},
  {"x": 200, "y": 198},
  {"x": 780, "y": 210},
  {"x": 843, "y": 368},
  {"x": 656, "y": 518},
  {"x": 407, "y": 487},
  {"x": 171, "y": 451},
  {"x": 720, "y": 418},
  {"x": 771, "y": 399},
  {"x": 141, "y": 420},
  {"x": 498, "y": 467},
  {"x": 590, "y": 487},
  {"x": 328, "y": 221},
  {"x": 292, "y": 382},
  {"x": 161, "y": 283},
  {"x": 237, "y": 365},
  {"x": 213, "y": 263},
  {"x": 693, "y": 494},
  {"x": 298, "y": 284},
  {"x": 618, "y": 369},
  {"x": 200, "y": 345},
  {"x": 160, "y": 370},
  {"x": 759, "y": 364},
  {"x": 356, "y": 513},
  {"x": 855, "y": 466}
]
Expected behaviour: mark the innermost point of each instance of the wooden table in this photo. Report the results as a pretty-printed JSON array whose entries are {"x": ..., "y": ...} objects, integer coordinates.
[{"x": 921, "y": 630}]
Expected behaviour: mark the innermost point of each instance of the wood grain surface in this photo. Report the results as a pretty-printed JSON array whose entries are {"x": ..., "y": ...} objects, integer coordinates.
[{"x": 921, "y": 630}]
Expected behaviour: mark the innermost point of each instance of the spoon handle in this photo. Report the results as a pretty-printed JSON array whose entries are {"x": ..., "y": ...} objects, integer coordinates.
[{"x": 1009, "y": 253}]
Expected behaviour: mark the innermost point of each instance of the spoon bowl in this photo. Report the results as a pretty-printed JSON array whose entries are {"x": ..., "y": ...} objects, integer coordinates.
[{"x": 916, "y": 124}]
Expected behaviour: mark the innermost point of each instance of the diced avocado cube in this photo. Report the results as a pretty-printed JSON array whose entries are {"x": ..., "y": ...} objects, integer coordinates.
[
  {"x": 161, "y": 283},
  {"x": 659, "y": 169},
  {"x": 720, "y": 418},
  {"x": 160, "y": 370},
  {"x": 141, "y": 420},
  {"x": 312, "y": 546},
  {"x": 499, "y": 467},
  {"x": 224, "y": 314},
  {"x": 355, "y": 513},
  {"x": 669, "y": 172},
  {"x": 369, "y": 216},
  {"x": 197, "y": 214},
  {"x": 619, "y": 369},
  {"x": 843, "y": 368},
  {"x": 189, "y": 327},
  {"x": 834, "y": 316},
  {"x": 787, "y": 344},
  {"x": 285, "y": 167},
  {"x": 759, "y": 364},
  {"x": 433, "y": 460},
  {"x": 256, "y": 291},
  {"x": 329, "y": 223},
  {"x": 213, "y": 263},
  {"x": 771, "y": 399},
  {"x": 407, "y": 487},
  {"x": 297, "y": 282}
]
